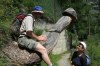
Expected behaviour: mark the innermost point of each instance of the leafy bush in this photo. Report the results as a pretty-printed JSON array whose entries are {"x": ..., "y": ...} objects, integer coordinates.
[
  {"x": 93, "y": 44},
  {"x": 37, "y": 31}
]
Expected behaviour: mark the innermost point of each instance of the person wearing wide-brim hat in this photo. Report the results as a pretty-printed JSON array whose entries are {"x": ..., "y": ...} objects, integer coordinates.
[
  {"x": 29, "y": 39},
  {"x": 37, "y": 12}
]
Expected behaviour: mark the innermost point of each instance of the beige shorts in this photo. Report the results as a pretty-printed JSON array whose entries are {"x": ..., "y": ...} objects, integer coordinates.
[{"x": 27, "y": 43}]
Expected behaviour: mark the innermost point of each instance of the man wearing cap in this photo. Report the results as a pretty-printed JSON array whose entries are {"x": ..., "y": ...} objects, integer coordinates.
[
  {"x": 79, "y": 58},
  {"x": 30, "y": 40}
]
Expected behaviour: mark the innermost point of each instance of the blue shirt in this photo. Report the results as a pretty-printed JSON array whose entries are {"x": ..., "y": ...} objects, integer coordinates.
[{"x": 79, "y": 60}]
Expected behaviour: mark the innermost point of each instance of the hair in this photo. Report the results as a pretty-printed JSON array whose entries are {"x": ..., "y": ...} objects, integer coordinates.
[{"x": 82, "y": 45}]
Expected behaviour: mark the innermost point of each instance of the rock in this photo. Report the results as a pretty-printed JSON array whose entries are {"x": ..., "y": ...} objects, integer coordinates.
[
  {"x": 19, "y": 56},
  {"x": 61, "y": 45}
]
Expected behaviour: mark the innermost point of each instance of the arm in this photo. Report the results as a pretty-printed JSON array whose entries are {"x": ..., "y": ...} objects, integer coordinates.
[
  {"x": 29, "y": 30},
  {"x": 34, "y": 36},
  {"x": 84, "y": 61},
  {"x": 73, "y": 56}
]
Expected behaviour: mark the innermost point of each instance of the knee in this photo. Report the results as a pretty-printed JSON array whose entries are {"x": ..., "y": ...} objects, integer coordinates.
[{"x": 43, "y": 49}]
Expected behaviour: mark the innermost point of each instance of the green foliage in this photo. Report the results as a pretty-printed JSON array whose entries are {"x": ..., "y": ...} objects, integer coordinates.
[
  {"x": 4, "y": 29},
  {"x": 51, "y": 8},
  {"x": 54, "y": 59},
  {"x": 88, "y": 17},
  {"x": 7, "y": 10},
  {"x": 37, "y": 31},
  {"x": 3, "y": 61},
  {"x": 93, "y": 44}
]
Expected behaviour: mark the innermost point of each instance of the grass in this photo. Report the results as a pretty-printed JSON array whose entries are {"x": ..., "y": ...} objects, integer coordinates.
[
  {"x": 3, "y": 61},
  {"x": 93, "y": 45},
  {"x": 4, "y": 31},
  {"x": 54, "y": 59}
]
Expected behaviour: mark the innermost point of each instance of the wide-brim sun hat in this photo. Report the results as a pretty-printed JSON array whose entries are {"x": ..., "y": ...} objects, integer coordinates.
[
  {"x": 83, "y": 43},
  {"x": 70, "y": 12},
  {"x": 37, "y": 9}
]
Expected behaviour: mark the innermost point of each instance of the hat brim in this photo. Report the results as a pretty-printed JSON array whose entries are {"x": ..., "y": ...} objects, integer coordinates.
[
  {"x": 68, "y": 14},
  {"x": 38, "y": 12}
]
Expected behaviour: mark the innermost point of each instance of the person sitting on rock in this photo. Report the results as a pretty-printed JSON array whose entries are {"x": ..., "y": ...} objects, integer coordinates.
[{"x": 29, "y": 39}]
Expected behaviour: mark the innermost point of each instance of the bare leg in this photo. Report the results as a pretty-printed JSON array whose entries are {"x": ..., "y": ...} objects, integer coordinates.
[{"x": 43, "y": 51}]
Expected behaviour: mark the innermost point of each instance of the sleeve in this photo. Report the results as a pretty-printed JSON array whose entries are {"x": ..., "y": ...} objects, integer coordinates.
[
  {"x": 29, "y": 23},
  {"x": 74, "y": 55},
  {"x": 84, "y": 61}
]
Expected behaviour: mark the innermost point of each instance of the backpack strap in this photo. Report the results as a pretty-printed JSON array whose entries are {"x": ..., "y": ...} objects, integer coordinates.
[
  {"x": 32, "y": 17},
  {"x": 88, "y": 59},
  {"x": 21, "y": 34},
  {"x": 83, "y": 60}
]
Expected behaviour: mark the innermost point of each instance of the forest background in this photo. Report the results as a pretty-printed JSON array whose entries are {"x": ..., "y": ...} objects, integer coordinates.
[{"x": 86, "y": 27}]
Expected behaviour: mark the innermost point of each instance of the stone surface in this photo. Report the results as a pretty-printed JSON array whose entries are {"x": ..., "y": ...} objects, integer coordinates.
[
  {"x": 61, "y": 44},
  {"x": 23, "y": 56},
  {"x": 64, "y": 61}
]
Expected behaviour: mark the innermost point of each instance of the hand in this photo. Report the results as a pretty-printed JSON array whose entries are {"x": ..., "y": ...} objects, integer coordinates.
[{"x": 42, "y": 38}]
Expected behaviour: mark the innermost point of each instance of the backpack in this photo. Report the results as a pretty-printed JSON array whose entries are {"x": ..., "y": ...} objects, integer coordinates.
[
  {"x": 88, "y": 60},
  {"x": 15, "y": 26}
]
